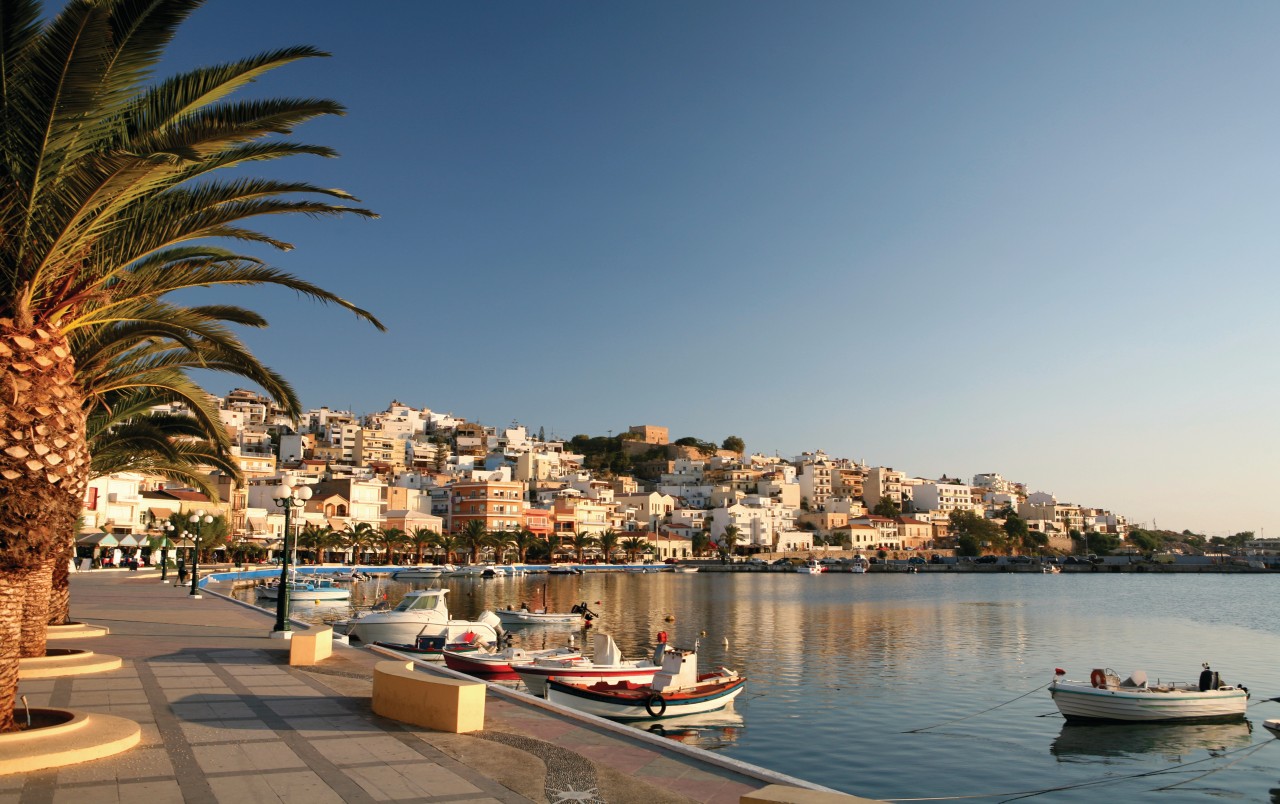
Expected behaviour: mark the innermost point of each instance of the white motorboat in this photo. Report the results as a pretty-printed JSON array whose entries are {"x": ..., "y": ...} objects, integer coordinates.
[
  {"x": 1104, "y": 697},
  {"x": 811, "y": 567},
  {"x": 310, "y": 588},
  {"x": 685, "y": 570},
  {"x": 677, "y": 689},
  {"x": 422, "y": 613},
  {"x": 860, "y": 565},
  {"x": 577, "y": 615},
  {"x": 607, "y": 664},
  {"x": 426, "y": 572}
]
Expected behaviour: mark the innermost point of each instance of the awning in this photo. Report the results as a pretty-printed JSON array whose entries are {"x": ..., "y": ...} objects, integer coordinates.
[
  {"x": 161, "y": 513},
  {"x": 337, "y": 524},
  {"x": 128, "y": 540},
  {"x": 100, "y": 539},
  {"x": 257, "y": 525}
]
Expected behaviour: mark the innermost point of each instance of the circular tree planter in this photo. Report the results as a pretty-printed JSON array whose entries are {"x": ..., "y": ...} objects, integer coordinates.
[
  {"x": 58, "y": 662},
  {"x": 58, "y": 737},
  {"x": 75, "y": 630}
]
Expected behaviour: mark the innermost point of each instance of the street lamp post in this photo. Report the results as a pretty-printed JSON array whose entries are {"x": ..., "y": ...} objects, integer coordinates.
[
  {"x": 165, "y": 530},
  {"x": 287, "y": 498},
  {"x": 197, "y": 519}
]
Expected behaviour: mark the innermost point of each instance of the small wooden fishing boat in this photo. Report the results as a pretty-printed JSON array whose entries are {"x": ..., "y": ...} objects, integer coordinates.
[
  {"x": 1104, "y": 697},
  {"x": 677, "y": 689},
  {"x": 606, "y": 664},
  {"x": 499, "y": 664},
  {"x": 434, "y": 647}
]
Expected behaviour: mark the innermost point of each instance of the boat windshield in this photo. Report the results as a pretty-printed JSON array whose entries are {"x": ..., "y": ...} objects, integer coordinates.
[{"x": 421, "y": 602}]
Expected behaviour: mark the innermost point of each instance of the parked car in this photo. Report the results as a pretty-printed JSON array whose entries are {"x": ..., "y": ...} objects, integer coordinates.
[
  {"x": 1020, "y": 560},
  {"x": 916, "y": 561},
  {"x": 986, "y": 559}
]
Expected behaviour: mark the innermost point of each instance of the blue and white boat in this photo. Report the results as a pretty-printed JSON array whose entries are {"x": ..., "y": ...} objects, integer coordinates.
[{"x": 311, "y": 588}]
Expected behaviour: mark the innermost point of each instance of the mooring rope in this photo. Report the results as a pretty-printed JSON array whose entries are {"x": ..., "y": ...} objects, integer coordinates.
[{"x": 975, "y": 714}]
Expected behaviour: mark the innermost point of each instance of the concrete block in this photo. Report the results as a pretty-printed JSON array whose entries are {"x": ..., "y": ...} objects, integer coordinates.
[
  {"x": 781, "y": 794},
  {"x": 311, "y": 647},
  {"x": 434, "y": 702}
]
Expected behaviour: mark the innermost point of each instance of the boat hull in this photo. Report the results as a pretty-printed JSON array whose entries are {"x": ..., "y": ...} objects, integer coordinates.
[
  {"x": 535, "y": 676},
  {"x": 618, "y": 702},
  {"x": 375, "y": 628},
  {"x": 518, "y": 617},
  {"x": 498, "y": 665},
  {"x": 1080, "y": 702}
]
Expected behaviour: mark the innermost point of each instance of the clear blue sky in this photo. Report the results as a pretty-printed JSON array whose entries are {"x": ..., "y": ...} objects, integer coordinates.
[{"x": 1037, "y": 239}]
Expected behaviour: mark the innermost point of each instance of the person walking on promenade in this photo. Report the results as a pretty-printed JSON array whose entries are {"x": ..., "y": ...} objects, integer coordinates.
[{"x": 182, "y": 574}]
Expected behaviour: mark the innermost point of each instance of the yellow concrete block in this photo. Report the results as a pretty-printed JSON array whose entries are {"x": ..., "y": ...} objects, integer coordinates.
[
  {"x": 781, "y": 794},
  {"x": 311, "y": 647},
  {"x": 434, "y": 702}
]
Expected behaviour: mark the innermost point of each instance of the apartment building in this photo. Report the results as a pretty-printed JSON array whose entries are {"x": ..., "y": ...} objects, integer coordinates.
[
  {"x": 936, "y": 495},
  {"x": 882, "y": 482},
  {"x": 499, "y": 504}
]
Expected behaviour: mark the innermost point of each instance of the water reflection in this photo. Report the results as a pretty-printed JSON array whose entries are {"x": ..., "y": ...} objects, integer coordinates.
[
  {"x": 1173, "y": 742},
  {"x": 709, "y": 730}
]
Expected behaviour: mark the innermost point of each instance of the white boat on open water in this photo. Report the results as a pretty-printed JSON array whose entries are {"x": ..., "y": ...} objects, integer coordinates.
[{"x": 1104, "y": 697}]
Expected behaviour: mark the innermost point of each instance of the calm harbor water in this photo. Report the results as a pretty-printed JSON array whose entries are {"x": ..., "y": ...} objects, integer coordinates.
[{"x": 907, "y": 687}]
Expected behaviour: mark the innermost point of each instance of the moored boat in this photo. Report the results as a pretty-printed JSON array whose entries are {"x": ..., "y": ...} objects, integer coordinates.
[
  {"x": 606, "y": 664},
  {"x": 677, "y": 689},
  {"x": 1105, "y": 698},
  {"x": 578, "y": 614},
  {"x": 811, "y": 567},
  {"x": 434, "y": 647},
  {"x": 305, "y": 589},
  {"x": 423, "y": 573},
  {"x": 500, "y": 664},
  {"x": 421, "y": 613}
]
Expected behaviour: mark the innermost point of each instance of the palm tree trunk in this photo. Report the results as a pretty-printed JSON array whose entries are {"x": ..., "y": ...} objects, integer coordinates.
[
  {"x": 11, "y": 599},
  {"x": 60, "y": 598},
  {"x": 35, "y": 610},
  {"x": 44, "y": 464}
]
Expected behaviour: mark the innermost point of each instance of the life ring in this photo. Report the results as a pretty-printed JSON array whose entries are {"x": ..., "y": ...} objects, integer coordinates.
[
  {"x": 1098, "y": 679},
  {"x": 656, "y": 705}
]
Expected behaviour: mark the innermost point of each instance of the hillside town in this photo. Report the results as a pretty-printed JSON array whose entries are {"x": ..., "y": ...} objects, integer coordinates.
[{"x": 416, "y": 474}]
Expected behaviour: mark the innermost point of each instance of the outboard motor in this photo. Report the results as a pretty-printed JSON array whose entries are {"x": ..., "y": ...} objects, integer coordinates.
[{"x": 660, "y": 649}]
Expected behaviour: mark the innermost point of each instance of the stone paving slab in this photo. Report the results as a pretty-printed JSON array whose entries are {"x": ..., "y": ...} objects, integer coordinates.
[{"x": 226, "y": 719}]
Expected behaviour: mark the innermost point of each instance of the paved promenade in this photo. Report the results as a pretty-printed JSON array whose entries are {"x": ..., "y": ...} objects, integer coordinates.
[{"x": 226, "y": 719}]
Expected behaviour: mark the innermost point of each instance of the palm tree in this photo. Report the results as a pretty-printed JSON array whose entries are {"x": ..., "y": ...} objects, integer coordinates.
[
  {"x": 421, "y": 538},
  {"x": 447, "y": 543},
  {"x": 358, "y": 538},
  {"x": 729, "y": 539},
  {"x": 700, "y": 541},
  {"x": 525, "y": 541},
  {"x": 391, "y": 539},
  {"x": 634, "y": 545},
  {"x": 314, "y": 538},
  {"x": 474, "y": 537},
  {"x": 107, "y": 207},
  {"x": 502, "y": 541},
  {"x": 608, "y": 542},
  {"x": 581, "y": 541}
]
